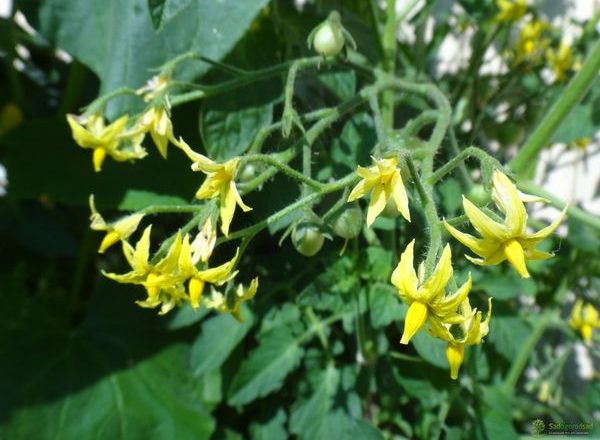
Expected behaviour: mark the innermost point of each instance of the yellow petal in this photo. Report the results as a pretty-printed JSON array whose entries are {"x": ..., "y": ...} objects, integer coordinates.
[
  {"x": 404, "y": 276},
  {"x": 576, "y": 315},
  {"x": 478, "y": 246},
  {"x": 515, "y": 255},
  {"x": 238, "y": 198},
  {"x": 590, "y": 315},
  {"x": 376, "y": 205},
  {"x": 495, "y": 258},
  {"x": 506, "y": 196},
  {"x": 98, "y": 158},
  {"x": 195, "y": 157},
  {"x": 450, "y": 304},
  {"x": 220, "y": 274},
  {"x": 185, "y": 262},
  {"x": 142, "y": 248},
  {"x": 169, "y": 263},
  {"x": 361, "y": 188},
  {"x": 109, "y": 239},
  {"x": 487, "y": 227},
  {"x": 400, "y": 197},
  {"x": 532, "y": 239},
  {"x": 82, "y": 136},
  {"x": 586, "y": 333},
  {"x": 195, "y": 287},
  {"x": 533, "y": 254},
  {"x": 436, "y": 284},
  {"x": 455, "y": 353},
  {"x": 415, "y": 318},
  {"x": 227, "y": 209}
]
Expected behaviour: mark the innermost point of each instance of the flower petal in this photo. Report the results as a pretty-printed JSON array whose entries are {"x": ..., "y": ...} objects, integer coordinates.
[
  {"x": 506, "y": 196},
  {"x": 227, "y": 209},
  {"x": 487, "y": 227},
  {"x": 435, "y": 286},
  {"x": 404, "y": 277},
  {"x": 478, "y": 246},
  {"x": 516, "y": 256},
  {"x": 376, "y": 205},
  {"x": 415, "y": 318},
  {"x": 400, "y": 197}
]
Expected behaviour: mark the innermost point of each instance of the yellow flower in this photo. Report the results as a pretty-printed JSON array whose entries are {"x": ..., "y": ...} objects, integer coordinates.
[
  {"x": 232, "y": 300},
  {"x": 205, "y": 241},
  {"x": 426, "y": 298},
  {"x": 91, "y": 132},
  {"x": 470, "y": 331},
  {"x": 530, "y": 44},
  {"x": 561, "y": 61},
  {"x": 119, "y": 230},
  {"x": 219, "y": 275},
  {"x": 384, "y": 181},
  {"x": 157, "y": 122},
  {"x": 584, "y": 319},
  {"x": 156, "y": 86},
  {"x": 510, "y": 10},
  {"x": 163, "y": 282},
  {"x": 504, "y": 241},
  {"x": 219, "y": 183}
]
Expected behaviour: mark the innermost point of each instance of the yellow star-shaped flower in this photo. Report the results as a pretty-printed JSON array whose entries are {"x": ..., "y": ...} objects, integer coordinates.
[
  {"x": 156, "y": 121},
  {"x": 584, "y": 319},
  {"x": 561, "y": 61},
  {"x": 112, "y": 140},
  {"x": 219, "y": 183},
  {"x": 163, "y": 281},
  {"x": 218, "y": 276},
  {"x": 119, "y": 230},
  {"x": 469, "y": 332},
  {"x": 531, "y": 44},
  {"x": 427, "y": 299},
  {"x": 508, "y": 240},
  {"x": 510, "y": 10},
  {"x": 384, "y": 181}
]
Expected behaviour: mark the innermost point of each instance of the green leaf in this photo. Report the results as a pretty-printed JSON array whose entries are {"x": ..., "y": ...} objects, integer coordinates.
[
  {"x": 134, "y": 200},
  {"x": 156, "y": 8},
  {"x": 273, "y": 429},
  {"x": 266, "y": 367},
  {"x": 430, "y": 349},
  {"x": 497, "y": 415},
  {"x": 504, "y": 286},
  {"x": 504, "y": 331},
  {"x": 450, "y": 195},
  {"x": 341, "y": 84},
  {"x": 385, "y": 306},
  {"x": 184, "y": 317},
  {"x": 379, "y": 263},
  {"x": 308, "y": 420},
  {"x": 116, "y": 375},
  {"x": 229, "y": 124},
  {"x": 354, "y": 144},
  {"x": 583, "y": 120},
  {"x": 582, "y": 236},
  {"x": 116, "y": 38},
  {"x": 218, "y": 338}
]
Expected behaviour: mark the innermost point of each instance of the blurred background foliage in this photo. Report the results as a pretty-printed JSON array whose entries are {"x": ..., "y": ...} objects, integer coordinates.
[{"x": 81, "y": 360}]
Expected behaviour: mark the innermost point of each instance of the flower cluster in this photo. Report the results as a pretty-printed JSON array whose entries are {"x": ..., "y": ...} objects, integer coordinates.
[
  {"x": 183, "y": 272},
  {"x": 450, "y": 316},
  {"x": 584, "y": 318}
]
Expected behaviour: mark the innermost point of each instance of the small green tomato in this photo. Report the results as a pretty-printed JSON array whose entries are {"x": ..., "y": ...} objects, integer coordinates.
[
  {"x": 307, "y": 239},
  {"x": 349, "y": 223},
  {"x": 247, "y": 173}
]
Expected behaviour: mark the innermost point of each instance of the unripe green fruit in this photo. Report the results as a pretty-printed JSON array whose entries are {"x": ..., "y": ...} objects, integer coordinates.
[
  {"x": 307, "y": 239},
  {"x": 329, "y": 40},
  {"x": 349, "y": 223},
  {"x": 479, "y": 195},
  {"x": 511, "y": 133},
  {"x": 247, "y": 173}
]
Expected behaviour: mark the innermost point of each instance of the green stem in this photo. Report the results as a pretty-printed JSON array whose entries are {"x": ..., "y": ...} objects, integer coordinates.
[
  {"x": 520, "y": 362},
  {"x": 174, "y": 209},
  {"x": 388, "y": 63},
  {"x": 270, "y": 160},
  {"x": 570, "y": 97},
  {"x": 572, "y": 211},
  {"x": 467, "y": 153},
  {"x": 304, "y": 201}
]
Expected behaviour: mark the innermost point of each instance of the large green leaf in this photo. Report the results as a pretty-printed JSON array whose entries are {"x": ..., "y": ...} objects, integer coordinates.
[
  {"x": 116, "y": 38},
  {"x": 354, "y": 144},
  {"x": 266, "y": 368},
  {"x": 309, "y": 419},
  {"x": 117, "y": 375},
  {"x": 218, "y": 337},
  {"x": 385, "y": 305}
]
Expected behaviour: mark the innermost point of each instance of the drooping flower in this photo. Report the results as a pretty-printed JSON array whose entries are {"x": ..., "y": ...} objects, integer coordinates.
[
  {"x": 470, "y": 331},
  {"x": 231, "y": 301},
  {"x": 198, "y": 278},
  {"x": 384, "y": 181},
  {"x": 508, "y": 240},
  {"x": 561, "y": 61},
  {"x": 510, "y": 10},
  {"x": 531, "y": 43},
  {"x": 584, "y": 319},
  {"x": 163, "y": 281},
  {"x": 116, "y": 231},
  {"x": 427, "y": 299},
  {"x": 112, "y": 140},
  {"x": 219, "y": 183},
  {"x": 204, "y": 242},
  {"x": 157, "y": 122}
]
